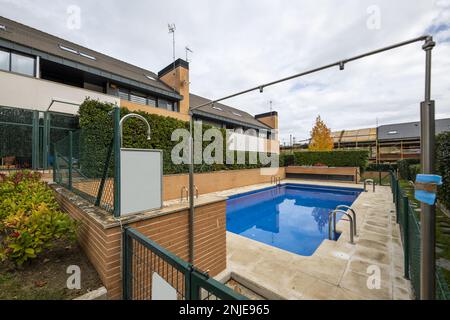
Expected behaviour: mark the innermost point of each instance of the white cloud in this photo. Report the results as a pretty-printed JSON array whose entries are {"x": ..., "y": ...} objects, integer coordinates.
[{"x": 240, "y": 44}]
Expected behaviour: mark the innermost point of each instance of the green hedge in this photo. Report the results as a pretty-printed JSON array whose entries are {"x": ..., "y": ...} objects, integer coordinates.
[
  {"x": 443, "y": 166},
  {"x": 383, "y": 167},
  {"x": 97, "y": 132},
  {"x": 406, "y": 170},
  {"x": 357, "y": 158},
  {"x": 287, "y": 159}
]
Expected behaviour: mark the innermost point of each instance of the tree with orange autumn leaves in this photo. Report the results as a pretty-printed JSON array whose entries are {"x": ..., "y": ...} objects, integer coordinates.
[{"x": 321, "y": 139}]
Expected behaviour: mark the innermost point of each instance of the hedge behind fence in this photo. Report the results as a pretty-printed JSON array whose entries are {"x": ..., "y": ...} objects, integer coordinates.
[
  {"x": 443, "y": 166},
  {"x": 408, "y": 169},
  {"x": 358, "y": 158},
  {"x": 97, "y": 126}
]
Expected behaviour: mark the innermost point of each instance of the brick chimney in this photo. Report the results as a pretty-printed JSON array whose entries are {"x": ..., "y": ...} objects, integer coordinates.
[
  {"x": 178, "y": 79},
  {"x": 269, "y": 119}
]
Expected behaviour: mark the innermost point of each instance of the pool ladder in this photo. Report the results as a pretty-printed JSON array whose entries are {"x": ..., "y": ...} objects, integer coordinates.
[
  {"x": 366, "y": 182},
  {"x": 186, "y": 190},
  {"x": 332, "y": 222},
  {"x": 275, "y": 180}
]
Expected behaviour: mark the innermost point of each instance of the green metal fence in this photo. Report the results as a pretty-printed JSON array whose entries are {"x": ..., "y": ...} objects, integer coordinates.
[
  {"x": 143, "y": 260},
  {"x": 75, "y": 170},
  {"x": 408, "y": 217},
  {"x": 27, "y": 136}
]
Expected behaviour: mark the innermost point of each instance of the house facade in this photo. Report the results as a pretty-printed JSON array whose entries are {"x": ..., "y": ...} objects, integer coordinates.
[
  {"x": 387, "y": 143},
  {"x": 43, "y": 80}
]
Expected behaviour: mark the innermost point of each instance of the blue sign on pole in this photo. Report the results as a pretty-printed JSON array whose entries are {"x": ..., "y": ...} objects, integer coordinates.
[{"x": 427, "y": 188}]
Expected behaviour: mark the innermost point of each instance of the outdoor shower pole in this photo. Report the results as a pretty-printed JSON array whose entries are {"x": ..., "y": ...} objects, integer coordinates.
[
  {"x": 116, "y": 121},
  {"x": 428, "y": 212},
  {"x": 191, "y": 188}
]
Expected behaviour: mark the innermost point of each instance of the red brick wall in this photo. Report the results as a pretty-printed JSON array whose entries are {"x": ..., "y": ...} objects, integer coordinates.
[{"x": 103, "y": 246}]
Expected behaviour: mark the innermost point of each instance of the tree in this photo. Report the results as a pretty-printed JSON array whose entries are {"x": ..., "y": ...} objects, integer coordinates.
[{"x": 321, "y": 139}]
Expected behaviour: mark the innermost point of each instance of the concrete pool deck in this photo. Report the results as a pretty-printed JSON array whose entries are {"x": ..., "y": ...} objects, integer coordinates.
[{"x": 338, "y": 270}]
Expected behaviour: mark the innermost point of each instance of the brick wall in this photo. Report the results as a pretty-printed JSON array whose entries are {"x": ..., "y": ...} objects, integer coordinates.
[
  {"x": 103, "y": 245},
  {"x": 206, "y": 182}
]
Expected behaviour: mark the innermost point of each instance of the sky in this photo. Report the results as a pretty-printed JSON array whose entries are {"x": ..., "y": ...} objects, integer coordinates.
[{"x": 238, "y": 44}]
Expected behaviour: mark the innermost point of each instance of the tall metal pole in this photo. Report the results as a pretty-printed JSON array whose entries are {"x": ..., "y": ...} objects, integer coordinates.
[
  {"x": 191, "y": 189},
  {"x": 116, "y": 121},
  {"x": 428, "y": 213}
]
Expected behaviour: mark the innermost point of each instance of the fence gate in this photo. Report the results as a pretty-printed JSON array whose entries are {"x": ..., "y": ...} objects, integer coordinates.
[{"x": 150, "y": 272}]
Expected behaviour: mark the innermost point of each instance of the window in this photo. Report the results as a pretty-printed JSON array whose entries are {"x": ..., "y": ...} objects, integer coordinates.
[
  {"x": 138, "y": 98},
  {"x": 237, "y": 114},
  {"x": 217, "y": 108},
  {"x": 4, "y": 60},
  {"x": 124, "y": 94},
  {"x": 151, "y": 101},
  {"x": 392, "y": 132},
  {"x": 164, "y": 104},
  {"x": 2, "y": 27},
  {"x": 85, "y": 55},
  {"x": 68, "y": 49},
  {"x": 150, "y": 77},
  {"x": 22, "y": 64}
]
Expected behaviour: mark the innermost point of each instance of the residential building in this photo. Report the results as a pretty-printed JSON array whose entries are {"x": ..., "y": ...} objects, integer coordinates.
[
  {"x": 387, "y": 143},
  {"x": 43, "y": 80}
]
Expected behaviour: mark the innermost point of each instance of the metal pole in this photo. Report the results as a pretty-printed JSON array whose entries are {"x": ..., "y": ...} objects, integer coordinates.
[
  {"x": 191, "y": 189},
  {"x": 116, "y": 121},
  {"x": 70, "y": 159},
  {"x": 428, "y": 213},
  {"x": 406, "y": 235},
  {"x": 340, "y": 64},
  {"x": 54, "y": 162}
]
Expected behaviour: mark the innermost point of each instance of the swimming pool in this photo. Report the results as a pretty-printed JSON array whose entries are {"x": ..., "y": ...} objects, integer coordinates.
[{"x": 291, "y": 217}]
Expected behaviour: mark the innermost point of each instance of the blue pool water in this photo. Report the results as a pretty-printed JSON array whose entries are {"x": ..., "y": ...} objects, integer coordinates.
[{"x": 291, "y": 217}]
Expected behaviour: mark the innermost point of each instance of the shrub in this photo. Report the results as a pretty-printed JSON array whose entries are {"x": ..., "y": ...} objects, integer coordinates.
[
  {"x": 358, "y": 158},
  {"x": 97, "y": 134},
  {"x": 414, "y": 170},
  {"x": 443, "y": 166},
  {"x": 287, "y": 160},
  {"x": 404, "y": 168},
  {"x": 383, "y": 167},
  {"x": 30, "y": 220}
]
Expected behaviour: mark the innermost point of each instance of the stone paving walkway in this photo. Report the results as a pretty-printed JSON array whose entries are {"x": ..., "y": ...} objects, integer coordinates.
[{"x": 337, "y": 270}]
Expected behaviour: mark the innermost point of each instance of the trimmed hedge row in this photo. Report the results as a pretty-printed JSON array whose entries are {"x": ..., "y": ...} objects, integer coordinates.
[
  {"x": 97, "y": 132},
  {"x": 357, "y": 158},
  {"x": 443, "y": 166},
  {"x": 383, "y": 167}
]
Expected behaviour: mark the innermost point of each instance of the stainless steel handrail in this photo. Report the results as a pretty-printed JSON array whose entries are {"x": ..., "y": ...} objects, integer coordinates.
[
  {"x": 331, "y": 216},
  {"x": 354, "y": 216},
  {"x": 366, "y": 182},
  {"x": 182, "y": 194},
  {"x": 196, "y": 191}
]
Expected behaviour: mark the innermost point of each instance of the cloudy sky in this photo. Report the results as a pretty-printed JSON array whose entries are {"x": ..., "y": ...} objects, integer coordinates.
[{"x": 239, "y": 44}]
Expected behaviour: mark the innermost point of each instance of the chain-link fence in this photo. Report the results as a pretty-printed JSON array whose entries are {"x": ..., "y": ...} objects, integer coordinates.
[
  {"x": 76, "y": 169},
  {"x": 408, "y": 217}
]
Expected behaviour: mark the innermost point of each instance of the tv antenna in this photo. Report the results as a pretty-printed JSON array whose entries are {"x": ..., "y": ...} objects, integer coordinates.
[
  {"x": 188, "y": 50},
  {"x": 172, "y": 29}
]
